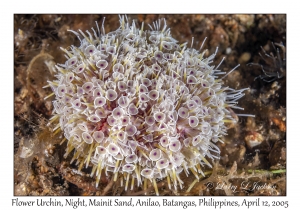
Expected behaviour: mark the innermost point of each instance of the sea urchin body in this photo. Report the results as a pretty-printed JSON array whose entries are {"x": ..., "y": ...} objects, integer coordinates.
[{"x": 140, "y": 106}]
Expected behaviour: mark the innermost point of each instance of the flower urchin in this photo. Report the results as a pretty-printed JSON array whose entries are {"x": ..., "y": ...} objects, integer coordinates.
[{"x": 139, "y": 105}]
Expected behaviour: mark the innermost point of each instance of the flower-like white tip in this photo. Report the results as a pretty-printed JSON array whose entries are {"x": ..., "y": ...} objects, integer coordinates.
[
  {"x": 205, "y": 127},
  {"x": 162, "y": 163},
  {"x": 177, "y": 161},
  {"x": 130, "y": 37},
  {"x": 69, "y": 77},
  {"x": 97, "y": 92},
  {"x": 125, "y": 120},
  {"x": 119, "y": 156},
  {"x": 113, "y": 149},
  {"x": 131, "y": 158},
  {"x": 123, "y": 101},
  {"x": 111, "y": 95},
  {"x": 72, "y": 61},
  {"x": 87, "y": 87},
  {"x": 87, "y": 138},
  {"x": 191, "y": 104},
  {"x": 70, "y": 90},
  {"x": 153, "y": 39},
  {"x": 94, "y": 118},
  {"x": 143, "y": 89},
  {"x": 144, "y": 97},
  {"x": 131, "y": 91},
  {"x": 102, "y": 64},
  {"x": 132, "y": 110},
  {"x": 130, "y": 83},
  {"x": 158, "y": 55},
  {"x": 80, "y": 91},
  {"x": 193, "y": 121},
  {"x": 121, "y": 135},
  {"x": 159, "y": 116},
  {"x": 205, "y": 83},
  {"x": 147, "y": 172},
  {"x": 183, "y": 112},
  {"x": 102, "y": 47},
  {"x": 128, "y": 167},
  {"x": 61, "y": 90},
  {"x": 98, "y": 136},
  {"x": 101, "y": 113},
  {"x": 111, "y": 120},
  {"x": 190, "y": 62},
  {"x": 174, "y": 146},
  {"x": 118, "y": 68},
  {"x": 147, "y": 82},
  {"x": 196, "y": 140},
  {"x": 101, "y": 150},
  {"x": 155, "y": 154},
  {"x": 77, "y": 137},
  {"x": 67, "y": 99},
  {"x": 153, "y": 95},
  {"x": 187, "y": 141},
  {"x": 168, "y": 56},
  {"x": 150, "y": 120},
  {"x": 122, "y": 86},
  {"x": 117, "y": 113},
  {"x": 99, "y": 101},
  {"x": 156, "y": 67},
  {"x": 164, "y": 141},
  {"x": 90, "y": 50},
  {"x": 184, "y": 90},
  {"x": 111, "y": 50},
  {"x": 191, "y": 72},
  {"x": 76, "y": 104},
  {"x": 166, "y": 45},
  {"x": 79, "y": 69},
  {"x": 130, "y": 130},
  {"x": 197, "y": 100},
  {"x": 82, "y": 127},
  {"x": 132, "y": 145}
]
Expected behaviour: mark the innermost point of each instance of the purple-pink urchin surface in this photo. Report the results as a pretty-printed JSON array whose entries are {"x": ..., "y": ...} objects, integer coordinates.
[{"x": 136, "y": 105}]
